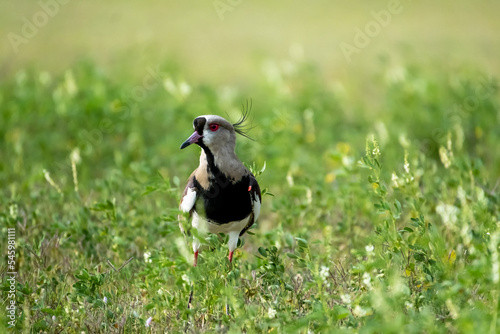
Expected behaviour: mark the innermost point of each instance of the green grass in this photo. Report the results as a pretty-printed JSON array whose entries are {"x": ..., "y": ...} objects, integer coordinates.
[{"x": 384, "y": 217}]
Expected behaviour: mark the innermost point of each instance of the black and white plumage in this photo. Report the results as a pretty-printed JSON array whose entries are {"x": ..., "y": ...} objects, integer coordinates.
[{"x": 221, "y": 195}]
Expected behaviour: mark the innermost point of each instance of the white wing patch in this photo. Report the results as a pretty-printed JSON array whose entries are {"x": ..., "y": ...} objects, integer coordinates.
[
  {"x": 256, "y": 208},
  {"x": 188, "y": 200}
]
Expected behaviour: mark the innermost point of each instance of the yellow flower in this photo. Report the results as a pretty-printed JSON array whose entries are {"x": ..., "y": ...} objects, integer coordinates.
[
  {"x": 343, "y": 148},
  {"x": 330, "y": 177}
]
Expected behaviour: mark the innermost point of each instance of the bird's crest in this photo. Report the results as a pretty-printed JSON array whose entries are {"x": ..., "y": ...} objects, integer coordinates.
[{"x": 241, "y": 127}]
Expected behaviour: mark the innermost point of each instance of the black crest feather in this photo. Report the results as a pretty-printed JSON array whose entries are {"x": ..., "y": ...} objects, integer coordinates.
[{"x": 241, "y": 127}]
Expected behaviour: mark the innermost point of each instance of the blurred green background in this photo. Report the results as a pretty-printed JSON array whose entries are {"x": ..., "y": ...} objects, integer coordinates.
[
  {"x": 384, "y": 164},
  {"x": 218, "y": 44}
]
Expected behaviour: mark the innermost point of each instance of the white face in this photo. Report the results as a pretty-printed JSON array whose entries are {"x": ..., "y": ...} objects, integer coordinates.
[{"x": 212, "y": 132}]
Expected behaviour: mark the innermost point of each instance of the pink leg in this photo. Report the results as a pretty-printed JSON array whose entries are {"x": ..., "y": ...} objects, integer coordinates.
[
  {"x": 230, "y": 257},
  {"x": 195, "y": 259}
]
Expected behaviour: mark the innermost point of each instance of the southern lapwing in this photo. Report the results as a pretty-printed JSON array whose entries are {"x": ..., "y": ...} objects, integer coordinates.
[{"x": 221, "y": 195}]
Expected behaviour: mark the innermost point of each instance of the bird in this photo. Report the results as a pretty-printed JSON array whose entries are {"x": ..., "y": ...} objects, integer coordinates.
[{"x": 221, "y": 195}]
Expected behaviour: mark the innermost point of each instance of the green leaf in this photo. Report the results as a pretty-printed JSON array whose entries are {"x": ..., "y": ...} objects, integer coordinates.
[
  {"x": 302, "y": 242},
  {"x": 419, "y": 257},
  {"x": 262, "y": 251},
  {"x": 397, "y": 205},
  {"x": 341, "y": 312},
  {"x": 48, "y": 311}
]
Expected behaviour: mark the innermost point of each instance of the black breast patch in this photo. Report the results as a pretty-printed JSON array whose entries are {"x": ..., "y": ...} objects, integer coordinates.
[{"x": 224, "y": 201}]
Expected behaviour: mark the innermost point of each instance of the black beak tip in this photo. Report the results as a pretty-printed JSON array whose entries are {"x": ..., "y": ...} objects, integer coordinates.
[{"x": 185, "y": 144}]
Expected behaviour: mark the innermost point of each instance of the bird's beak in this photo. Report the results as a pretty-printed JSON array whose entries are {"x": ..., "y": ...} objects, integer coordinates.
[{"x": 191, "y": 140}]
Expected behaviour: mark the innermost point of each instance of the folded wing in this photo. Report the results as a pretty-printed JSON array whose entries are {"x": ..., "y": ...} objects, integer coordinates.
[{"x": 256, "y": 198}]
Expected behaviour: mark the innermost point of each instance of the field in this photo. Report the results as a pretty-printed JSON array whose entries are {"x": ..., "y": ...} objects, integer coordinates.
[{"x": 380, "y": 174}]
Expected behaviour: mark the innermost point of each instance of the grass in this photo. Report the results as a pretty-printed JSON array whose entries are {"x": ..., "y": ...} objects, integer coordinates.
[{"x": 383, "y": 216}]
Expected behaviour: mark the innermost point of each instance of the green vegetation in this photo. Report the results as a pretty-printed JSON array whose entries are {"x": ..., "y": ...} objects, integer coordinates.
[{"x": 383, "y": 218}]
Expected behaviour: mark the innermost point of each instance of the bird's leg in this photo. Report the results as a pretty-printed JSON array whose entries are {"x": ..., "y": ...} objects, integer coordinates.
[
  {"x": 195, "y": 258},
  {"x": 190, "y": 297},
  {"x": 196, "y": 247},
  {"x": 232, "y": 243},
  {"x": 230, "y": 257},
  {"x": 189, "y": 306}
]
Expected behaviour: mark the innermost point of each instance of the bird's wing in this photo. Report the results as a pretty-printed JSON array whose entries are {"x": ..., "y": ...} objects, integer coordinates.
[
  {"x": 188, "y": 200},
  {"x": 256, "y": 197}
]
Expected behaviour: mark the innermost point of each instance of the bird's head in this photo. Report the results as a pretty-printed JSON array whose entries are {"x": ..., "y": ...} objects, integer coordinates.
[{"x": 215, "y": 133}]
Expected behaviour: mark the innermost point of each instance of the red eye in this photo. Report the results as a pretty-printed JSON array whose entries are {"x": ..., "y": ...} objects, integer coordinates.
[{"x": 213, "y": 127}]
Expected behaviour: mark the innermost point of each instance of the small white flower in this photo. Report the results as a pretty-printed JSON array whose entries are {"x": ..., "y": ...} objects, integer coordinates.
[
  {"x": 445, "y": 157},
  {"x": 324, "y": 273},
  {"x": 358, "y": 311},
  {"x": 409, "y": 177},
  {"x": 54, "y": 318},
  {"x": 369, "y": 249},
  {"x": 407, "y": 167},
  {"x": 409, "y": 305},
  {"x": 448, "y": 213},
  {"x": 185, "y": 278},
  {"x": 149, "y": 321},
  {"x": 147, "y": 257},
  {"x": 75, "y": 156},
  {"x": 347, "y": 161},
  {"x": 271, "y": 313},
  {"x": 367, "y": 280},
  {"x": 160, "y": 291},
  {"x": 346, "y": 299},
  {"x": 105, "y": 300},
  {"x": 395, "y": 180}
]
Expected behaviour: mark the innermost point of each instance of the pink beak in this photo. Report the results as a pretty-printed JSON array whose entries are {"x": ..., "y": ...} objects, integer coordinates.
[{"x": 191, "y": 140}]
